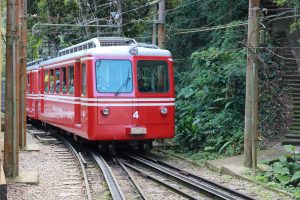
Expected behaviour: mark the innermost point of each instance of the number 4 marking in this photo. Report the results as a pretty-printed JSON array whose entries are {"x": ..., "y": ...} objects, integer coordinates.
[{"x": 136, "y": 114}]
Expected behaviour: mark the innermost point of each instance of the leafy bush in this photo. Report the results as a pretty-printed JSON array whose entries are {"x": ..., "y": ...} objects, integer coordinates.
[
  {"x": 285, "y": 172},
  {"x": 211, "y": 107}
]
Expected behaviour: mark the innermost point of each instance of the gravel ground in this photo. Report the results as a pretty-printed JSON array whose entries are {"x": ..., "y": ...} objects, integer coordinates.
[
  {"x": 59, "y": 174},
  {"x": 60, "y": 178}
]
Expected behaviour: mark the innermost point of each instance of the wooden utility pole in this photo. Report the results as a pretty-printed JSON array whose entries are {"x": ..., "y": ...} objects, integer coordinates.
[
  {"x": 154, "y": 24},
  {"x": 22, "y": 77},
  {"x": 120, "y": 18},
  {"x": 1, "y": 63},
  {"x": 161, "y": 23},
  {"x": 11, "y": 138},
  {"x": 251, "y": 108}
]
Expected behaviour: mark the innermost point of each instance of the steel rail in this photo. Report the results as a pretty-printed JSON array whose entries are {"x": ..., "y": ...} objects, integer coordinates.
[
  {"x": 113, "y": 186},
  {"x": 198, "y": 178},
  {"x": 77, "y": 155},
  {"x": 190, "y": 180},
  {"x": 177, "y": 190},
  {"x": 139, "y": 189}
]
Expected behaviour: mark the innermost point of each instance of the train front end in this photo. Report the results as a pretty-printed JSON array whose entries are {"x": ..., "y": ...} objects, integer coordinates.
[{"x": 135, "y": 95}]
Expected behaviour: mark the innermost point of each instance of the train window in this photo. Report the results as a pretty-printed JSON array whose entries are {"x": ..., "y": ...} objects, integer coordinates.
[
  {"x": 83, "y": 79},
  {"x": 57, "y": 80},
  {"x": 46, "y": 78},
  {"x": 64, "y": 80},
  {"x": 153, "y": 76},
  {"x": 114, "y": 76},
  {"x": 51, "y": 81},
  {"x": 28, "y": 83},
  {"x": 71, "y": 79}
]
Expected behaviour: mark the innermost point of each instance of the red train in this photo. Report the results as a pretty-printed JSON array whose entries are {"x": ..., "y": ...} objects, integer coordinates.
[{"x": 105, "y": 89}]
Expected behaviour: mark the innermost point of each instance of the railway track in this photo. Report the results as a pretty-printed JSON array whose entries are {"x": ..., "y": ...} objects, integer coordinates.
[
  {"x": 110, "y": 179},
  {"x": 82, "y": 163},
  {"x": 132, "y": 179},
  {"x": 195, "y": 183},
  {"x": 185, "y": 184}
]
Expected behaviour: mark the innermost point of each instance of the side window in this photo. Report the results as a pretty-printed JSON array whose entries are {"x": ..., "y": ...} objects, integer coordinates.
[
  {"x": 51, "y": 81},
  {"x": 28, "y": 83},
  {"x": 83, "y": 79},
  {"x": 71, "y": 79},
  {"x": 46, "y": 79},
  {"x": 39, "y": 78},
  {"x": 57, "y": 80},
  {"x": 64, "y": 80}
]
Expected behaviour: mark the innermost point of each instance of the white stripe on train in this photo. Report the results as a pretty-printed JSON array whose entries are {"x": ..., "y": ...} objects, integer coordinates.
[
  {"x": 104, "y": 104},
  {"x": 99, "y": 99}
]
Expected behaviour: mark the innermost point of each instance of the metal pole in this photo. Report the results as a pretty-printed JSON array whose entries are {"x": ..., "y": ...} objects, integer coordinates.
[
  {"x": 251, "y": 107},
  {"x": 11, "y": 140},
  {"x": 22, "y": 78},
  {"x": 161, "y": 23}
]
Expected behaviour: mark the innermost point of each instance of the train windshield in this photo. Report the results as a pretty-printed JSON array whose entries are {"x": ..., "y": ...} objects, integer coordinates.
[
  {"x": 153, "y": 76},
  {"x": 114, "y": 76}
]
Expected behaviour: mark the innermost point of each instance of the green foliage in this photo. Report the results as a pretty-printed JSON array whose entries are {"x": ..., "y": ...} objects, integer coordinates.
[
  {"x": 285, "y": 172},
  {"x": 203, "y": 13},
  {"x": 210, "y": 107}
]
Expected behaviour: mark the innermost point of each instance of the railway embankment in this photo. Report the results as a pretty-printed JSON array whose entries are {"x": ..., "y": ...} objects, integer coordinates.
[{"x": 234, "y": 166}]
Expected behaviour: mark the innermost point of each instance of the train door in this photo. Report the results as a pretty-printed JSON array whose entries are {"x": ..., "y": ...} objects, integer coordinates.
[
  {"x": 44, "y": 87},
  {"x": 154, "y": 92},
  {"x": 31, "y": 92},
  {"x": 28, "y": 99},
  {"x": 83, "y": 89},
  {"x": 77, "y": 92}
]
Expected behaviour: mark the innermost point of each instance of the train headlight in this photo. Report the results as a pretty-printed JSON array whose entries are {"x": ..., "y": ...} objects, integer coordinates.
[
  {"x": 164, "y": 110},
  {"x": 105, "y": 111},
  {"x": 133, "y": 50}
]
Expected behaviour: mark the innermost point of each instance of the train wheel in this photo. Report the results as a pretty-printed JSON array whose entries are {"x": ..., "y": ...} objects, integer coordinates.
[
  {"x": 102, "y": 148},
  {"x": 144, "y": 147},
  {"x": 112, "y": 149},
  {"x": 76, "y": 138}
]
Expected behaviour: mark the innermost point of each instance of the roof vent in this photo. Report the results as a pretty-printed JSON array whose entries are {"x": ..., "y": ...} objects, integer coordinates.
[{"x": 116, "y": 41}]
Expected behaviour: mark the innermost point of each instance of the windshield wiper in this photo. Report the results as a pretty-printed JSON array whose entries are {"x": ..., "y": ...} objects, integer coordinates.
[{"x": 122, "y": 86}]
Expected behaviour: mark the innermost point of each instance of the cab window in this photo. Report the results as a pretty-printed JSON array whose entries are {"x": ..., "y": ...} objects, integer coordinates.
[
  {"x": 114, "y": 76},
  {"x": 153, "y": 76}
]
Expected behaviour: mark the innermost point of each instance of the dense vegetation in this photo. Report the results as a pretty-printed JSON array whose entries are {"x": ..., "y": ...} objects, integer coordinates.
[{"x": 210, "y": 64}]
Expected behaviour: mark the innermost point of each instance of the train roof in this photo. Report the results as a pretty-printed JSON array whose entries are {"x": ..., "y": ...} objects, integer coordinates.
[
  {"x": 106, "y": 46},
  {"x": 34, "y": 64}
]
